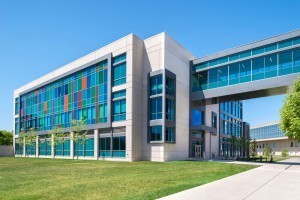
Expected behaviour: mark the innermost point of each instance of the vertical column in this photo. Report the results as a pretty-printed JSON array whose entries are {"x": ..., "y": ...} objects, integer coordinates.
[
  {"x": 37, "y": 146},
  {"x": 24, "y": 147},
  {"x": 52, "y": 146},
  {"x": 96, "y": 144},
  {"x": 71, "y": 145}
]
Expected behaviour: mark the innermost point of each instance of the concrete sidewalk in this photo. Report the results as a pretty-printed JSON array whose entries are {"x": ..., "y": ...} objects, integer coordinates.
[{"x": 271, "y": 181}]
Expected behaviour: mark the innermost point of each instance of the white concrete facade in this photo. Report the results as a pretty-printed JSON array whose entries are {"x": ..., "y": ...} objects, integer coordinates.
[{"x": 278, "y": 144}]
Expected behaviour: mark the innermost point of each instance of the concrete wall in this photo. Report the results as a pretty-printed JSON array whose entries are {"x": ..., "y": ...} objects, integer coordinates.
[
  {"x": 278, "y": 145},
  {"x": 6, "y": 150},
  {"x": 162, "y": 52}
]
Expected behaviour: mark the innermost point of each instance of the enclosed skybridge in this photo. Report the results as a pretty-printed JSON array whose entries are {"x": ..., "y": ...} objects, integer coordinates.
[{"x": 263, "y": 68}]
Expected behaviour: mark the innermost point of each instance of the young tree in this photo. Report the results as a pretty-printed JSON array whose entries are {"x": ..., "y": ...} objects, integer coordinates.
[
  {"x": 253, "y": 150},
  {"x": 59, "y": 136},
  {"x": 30, "y": 139},
  {"x": 267, "y": 151},
  {"x": 79, "y": 134},
  {"x": 290, "y": 113}
]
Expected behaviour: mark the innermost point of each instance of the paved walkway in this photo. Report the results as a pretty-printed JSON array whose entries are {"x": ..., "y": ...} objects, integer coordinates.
[{"x": 271, "y": 181}]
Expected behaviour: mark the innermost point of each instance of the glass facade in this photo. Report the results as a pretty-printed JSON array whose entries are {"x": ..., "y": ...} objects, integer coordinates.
[
  {"x": 162, "y": 100},
  {"x": 265, "y": 132},
  {"x": 45, "y": 147},
  {"x": 119, "y": 70},
  {"x": 156, "y": 85},
  {"x": 18, "y": 147},
  {"x": 82, "y": 95},
  {"x": 156, "y": 108},
  {"x": 112, "y": 146},
  {"x": 170, "y": 134},
  {"x": 231, "y": 126},
  {"x": 246, "y": 54},
  {"x": 84, "y": 147},
  {"x": 198, "y": 116},
  {"x": 105, "y": 147},
  {"x": 156, "y": 133},
  {"x": 119, "y": 105},
  {"x": 63, "y": 149},
  {"x": 30, "y": 149},
  {"x": 267, "y": 66}
]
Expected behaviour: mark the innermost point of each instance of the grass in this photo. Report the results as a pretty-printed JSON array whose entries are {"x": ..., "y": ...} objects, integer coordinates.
[{"x": 30, "y": 178}]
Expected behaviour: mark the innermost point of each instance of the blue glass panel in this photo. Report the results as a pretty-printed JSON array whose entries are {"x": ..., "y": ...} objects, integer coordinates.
[
  {"x": 156, "y": 133},
  {"x": 223, "y": 76},
  {"x": 234, "y": 74},
  {"x": 258, "y": 51},
  {"x": 285, "y": 63},
  {"x": 213, "y": 78},
  {"x": 258, "y": 68},
  {"x": 271, "y": 65},
  {"x": 284, "y": 44},
  {"x": 296, "y": 57}
]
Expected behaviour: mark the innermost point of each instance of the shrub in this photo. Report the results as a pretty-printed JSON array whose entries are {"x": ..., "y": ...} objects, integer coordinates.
[{"x": 284, "y": 152}]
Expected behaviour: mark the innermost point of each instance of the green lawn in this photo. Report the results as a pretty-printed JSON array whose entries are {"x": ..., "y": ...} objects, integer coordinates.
[{"x": 30, "y": 178}]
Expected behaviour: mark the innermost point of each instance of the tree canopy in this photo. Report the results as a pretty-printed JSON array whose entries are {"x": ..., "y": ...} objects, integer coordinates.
[
  {"x": 290, "y": 113},
  {"x": 6, "y": 137}
]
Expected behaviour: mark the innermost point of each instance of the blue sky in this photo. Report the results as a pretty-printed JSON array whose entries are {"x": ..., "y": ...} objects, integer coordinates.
[{"x": 37, "y": 37}]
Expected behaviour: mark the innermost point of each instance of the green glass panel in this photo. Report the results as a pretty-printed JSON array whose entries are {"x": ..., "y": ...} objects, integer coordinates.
[
  {"x": 213, "y": 62},
  {"x": 284, "y": 44},
  {"x": 258, "y": 51},
  {"x": 271, "y": 47},
  {"x": 245, "y": 54},
  {"x": 234, "y": 57},
  {"x": 296, "y": 41}
]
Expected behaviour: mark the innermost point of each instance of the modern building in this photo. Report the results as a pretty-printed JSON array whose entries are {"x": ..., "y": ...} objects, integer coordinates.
[
  {"x": 270, "y": 135},
  {"x": 153, "y": 100}
]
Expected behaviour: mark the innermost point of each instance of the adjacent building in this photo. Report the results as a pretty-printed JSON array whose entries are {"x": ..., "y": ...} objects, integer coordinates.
[
  {"x": 153, "y": 100},
  {"x": 269, "y": 134}
]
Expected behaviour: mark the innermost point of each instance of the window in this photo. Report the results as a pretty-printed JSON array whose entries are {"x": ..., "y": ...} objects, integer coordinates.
[
  {"x": 89, "y": 147},
  {"x": 271, "y": 65},
  {"x": 156, "y": 85},
  {"x": 119, "y": 110},
  {"x": 258, "y": 68},
  {"x": 119, "y": 74},
  {"x": 170, "y": 86},
  {"x": 292, "y": 144},
  {"x": 285, "y": 63},
  {"x": 213, "y": 78},
  {"x": 223, "y": 76},
  {"x": 45, "y": 147},
  {"x": 156, "y": 133},
  {"x": 170, "y": 109},
  {"x": 119, "y": 105},
  {"x": 104, "y": 147},
  {"x": 156, "y": 108},
  {"x": 119, "y": 58},
  {"x": 119, "y": 146},
  {"x": 296, "y": 58},
  {"x": 234, "y": 74},
  {"x": 199, "y": 81},
  {"x": 170, "y": 134},
  {"x": 197, "y": 117},
  {"x": 214, "y": 120}
]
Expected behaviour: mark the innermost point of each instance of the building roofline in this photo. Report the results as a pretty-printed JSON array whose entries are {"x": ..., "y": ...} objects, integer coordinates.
[
  {"x": 51, "y": 76},
  {"x": 248, "y": 46},
  {"x": 265, "y": 124}
]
